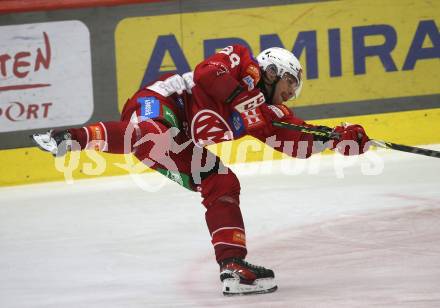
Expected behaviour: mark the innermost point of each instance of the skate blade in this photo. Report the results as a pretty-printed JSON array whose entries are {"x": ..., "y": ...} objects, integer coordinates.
[
  {"x": 232, "y": 286},
  {"x": 45, "y": 142}
]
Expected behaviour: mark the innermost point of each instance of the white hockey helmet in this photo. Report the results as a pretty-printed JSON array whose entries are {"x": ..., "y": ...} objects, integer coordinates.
[{"x": 282, "y": 61}]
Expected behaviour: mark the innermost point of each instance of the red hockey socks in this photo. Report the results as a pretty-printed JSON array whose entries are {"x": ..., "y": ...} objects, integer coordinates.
[{"x": 223, "y": 215}]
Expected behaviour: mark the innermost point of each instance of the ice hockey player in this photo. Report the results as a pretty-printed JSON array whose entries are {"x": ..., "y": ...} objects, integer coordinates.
[{"x": 168, "y": 123}]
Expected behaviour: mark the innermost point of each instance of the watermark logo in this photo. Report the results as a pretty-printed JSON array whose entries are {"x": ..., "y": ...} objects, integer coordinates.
[{"x": 163, "y": 150}]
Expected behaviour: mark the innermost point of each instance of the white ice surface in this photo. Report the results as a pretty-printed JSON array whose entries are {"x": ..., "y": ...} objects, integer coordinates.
[{"x": 357, "y": 241}]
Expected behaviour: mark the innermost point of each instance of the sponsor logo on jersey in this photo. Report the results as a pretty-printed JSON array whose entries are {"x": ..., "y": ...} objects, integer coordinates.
[
  {"x": 150, "y": 107},
  {"x": 237, "y": 124},
  {"x": 170, "y": 117},
  {"x": 249, "y": 82},
  {"x": 208, "y": 127},
  {"x": 96, "y": 133}
]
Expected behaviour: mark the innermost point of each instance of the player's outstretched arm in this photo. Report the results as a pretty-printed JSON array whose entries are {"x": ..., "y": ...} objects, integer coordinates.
[{"x": 300, "y": 143}]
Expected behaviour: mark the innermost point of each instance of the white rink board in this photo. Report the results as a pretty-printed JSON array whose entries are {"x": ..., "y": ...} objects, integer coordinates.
[
  {"x": 46, "y": 80},
  {"x": 356, "y": 241}
]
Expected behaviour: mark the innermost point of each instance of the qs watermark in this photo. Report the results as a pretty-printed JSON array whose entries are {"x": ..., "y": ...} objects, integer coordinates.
[{"x": 180, "y": 160}]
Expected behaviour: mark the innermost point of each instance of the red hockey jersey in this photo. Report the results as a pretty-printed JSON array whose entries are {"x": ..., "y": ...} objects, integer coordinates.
[
  {"x": 220, "y": 102},
  {"x": 214, "y": 117}
]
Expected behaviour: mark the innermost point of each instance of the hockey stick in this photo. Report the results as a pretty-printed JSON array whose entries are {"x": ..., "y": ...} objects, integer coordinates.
[{"x": 378, "y": 143}]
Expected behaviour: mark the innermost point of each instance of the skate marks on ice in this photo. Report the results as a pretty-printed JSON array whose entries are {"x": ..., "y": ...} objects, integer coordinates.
[{"x": 388, "y": 259}]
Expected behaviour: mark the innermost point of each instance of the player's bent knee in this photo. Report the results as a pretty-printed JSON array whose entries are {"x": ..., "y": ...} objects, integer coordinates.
[{"x": 224, "y": 186}]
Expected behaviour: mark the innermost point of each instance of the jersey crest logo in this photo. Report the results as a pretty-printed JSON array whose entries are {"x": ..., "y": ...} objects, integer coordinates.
[{"x": 208, "y": 127}]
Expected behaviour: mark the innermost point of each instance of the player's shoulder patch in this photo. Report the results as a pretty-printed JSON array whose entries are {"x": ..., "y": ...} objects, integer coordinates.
[{"x": 150, "y": 107}]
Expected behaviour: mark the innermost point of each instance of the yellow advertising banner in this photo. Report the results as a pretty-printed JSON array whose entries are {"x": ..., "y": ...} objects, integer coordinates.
[
  {"x": 376, "y": 52},
  {"x": 352, "y": 50}
]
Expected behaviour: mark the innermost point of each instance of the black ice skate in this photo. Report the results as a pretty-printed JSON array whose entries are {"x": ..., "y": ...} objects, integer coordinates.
[
  {"x": 55, "y": 142},
  {"x": 241, "y": 278}
]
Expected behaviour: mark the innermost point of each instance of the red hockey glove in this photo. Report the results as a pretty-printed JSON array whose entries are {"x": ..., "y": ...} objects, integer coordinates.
[
  {"x": 276, "y": 112},
  {"x": 247, "y": 115},
  {"x": 353, "y": 140},
  {"x": 247, "y": 100}
]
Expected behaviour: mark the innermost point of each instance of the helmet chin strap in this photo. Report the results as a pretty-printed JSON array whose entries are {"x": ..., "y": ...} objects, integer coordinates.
[{"x": 262, "y": 86}]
